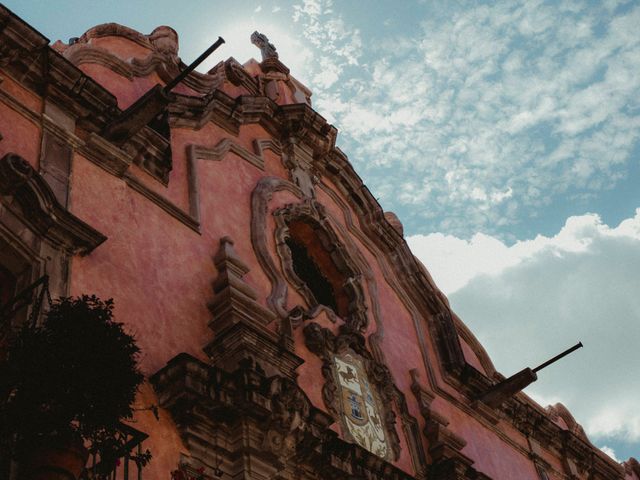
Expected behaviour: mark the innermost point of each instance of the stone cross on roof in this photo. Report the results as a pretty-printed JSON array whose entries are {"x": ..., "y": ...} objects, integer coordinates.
[{"x": 267, "y": 49}]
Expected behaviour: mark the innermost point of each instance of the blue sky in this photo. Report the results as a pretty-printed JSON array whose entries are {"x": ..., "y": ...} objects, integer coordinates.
[{"x": 504, "y": 135}]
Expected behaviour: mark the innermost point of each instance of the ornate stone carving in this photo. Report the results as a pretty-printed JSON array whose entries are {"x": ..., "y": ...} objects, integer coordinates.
[
  {"x": 260, "y": 198},
  {"x": 243, "y": 421},
  {"x": 236, "y": 74},
  {"x": 163, "y": 57},
  {"x": 165, "y": 41},
  {"x": 312, "y": 212},
  {"x": 290, "y": 411},
  {"x": 267, "y": 49},
  {"x": 298, "y": 159},
  {"x": 212, "y": 407}
]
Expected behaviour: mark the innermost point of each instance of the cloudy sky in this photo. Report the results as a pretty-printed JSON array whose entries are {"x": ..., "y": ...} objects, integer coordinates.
[{"x": 504, "y": 135}]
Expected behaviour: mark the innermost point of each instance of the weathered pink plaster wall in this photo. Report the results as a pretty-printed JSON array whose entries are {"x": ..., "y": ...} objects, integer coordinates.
[{"x": 20, "y": 135}]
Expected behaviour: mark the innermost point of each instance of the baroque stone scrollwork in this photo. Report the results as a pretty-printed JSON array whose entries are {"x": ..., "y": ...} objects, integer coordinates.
[
  {"x": 242, "y": 420},
  {"x": 212, "y": 405},
  {"x": 344, "y": 359},
  {"x": 163, "y": 57},
  {"x": 311, "y": 211},
  {"x": 260, "y": 198},
  {"x": 349, "y": 288}
]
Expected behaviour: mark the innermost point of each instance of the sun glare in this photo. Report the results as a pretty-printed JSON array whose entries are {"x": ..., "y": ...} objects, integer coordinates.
[{"x": 238, "y": 45}]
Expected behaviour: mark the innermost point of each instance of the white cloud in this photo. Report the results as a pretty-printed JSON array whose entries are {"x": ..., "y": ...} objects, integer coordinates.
[
  {"x": 531, "y": 300},
  {"x": 610, "y": 452},
  {"x": 531, "y": 98}
]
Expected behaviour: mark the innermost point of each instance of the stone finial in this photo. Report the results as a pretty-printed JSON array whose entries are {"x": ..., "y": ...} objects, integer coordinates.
[
  {"x": 267, "y": 49},
  {"x": 165, "y": 40}
]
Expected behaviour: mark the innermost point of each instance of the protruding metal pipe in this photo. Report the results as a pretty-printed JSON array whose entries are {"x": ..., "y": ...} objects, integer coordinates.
[
  {"x": 171, "y": 85},
  {"x": 558, "y": 357}
]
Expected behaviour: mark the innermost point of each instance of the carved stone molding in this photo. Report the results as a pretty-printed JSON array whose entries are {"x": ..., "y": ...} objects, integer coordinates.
[
  {"x": 290, "y": 415},
  {"x": 217, "y": 153},
  {"x": 235, "y": 73},
  {"x": 42, "y": 211},
  {"x": 222, "y": 415},
  {"x": 300, "y": 124},
  {"x": 297, "y": 157},
  {"x": 163, "y": 57},
  {"x": 260, "y": 198},
  {"x": 560, "y": 411}
]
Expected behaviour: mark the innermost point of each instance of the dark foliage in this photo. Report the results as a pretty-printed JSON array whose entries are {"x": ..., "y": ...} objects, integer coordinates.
[{"x": 74, "y": 376}]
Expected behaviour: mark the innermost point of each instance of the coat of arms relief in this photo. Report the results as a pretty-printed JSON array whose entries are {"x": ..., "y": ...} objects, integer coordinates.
[
  {"x": 358, "y": 391},
  {"x": 361, "y": 412}
]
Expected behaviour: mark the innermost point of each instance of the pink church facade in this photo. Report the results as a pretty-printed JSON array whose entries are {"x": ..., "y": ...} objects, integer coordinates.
[{"x": 287, "y": 331}]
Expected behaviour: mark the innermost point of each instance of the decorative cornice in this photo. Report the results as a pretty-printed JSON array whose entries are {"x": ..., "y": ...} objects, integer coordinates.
[
  {"x": 165, "y": 67},
  {"x": 26, "y": 55},
  {"x": 42, "y": 211}
]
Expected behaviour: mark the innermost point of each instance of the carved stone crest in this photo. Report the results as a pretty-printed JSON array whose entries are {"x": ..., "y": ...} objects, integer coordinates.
[
  {"x": 358, "y": 391},
  {"x": 361, "y": 411}
]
